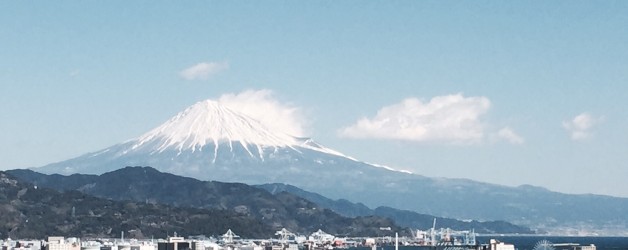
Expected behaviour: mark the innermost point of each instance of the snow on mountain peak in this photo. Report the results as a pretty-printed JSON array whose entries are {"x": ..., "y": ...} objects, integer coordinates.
[
  {"x": 211, "y": 130},
  {"x": 210, "y": 122}
]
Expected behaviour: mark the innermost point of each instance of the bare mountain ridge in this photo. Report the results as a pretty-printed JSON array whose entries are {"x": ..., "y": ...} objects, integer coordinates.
[{"x": 403, "y": 218}]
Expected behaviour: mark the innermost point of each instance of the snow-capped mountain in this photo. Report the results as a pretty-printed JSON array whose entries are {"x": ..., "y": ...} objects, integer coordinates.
[
  {"x": 208, "y": 125},
  {"x": 209, "y": 141}
]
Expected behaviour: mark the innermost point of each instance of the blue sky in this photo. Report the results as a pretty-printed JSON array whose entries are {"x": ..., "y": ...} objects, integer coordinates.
[{"x": 507, "y": 92}]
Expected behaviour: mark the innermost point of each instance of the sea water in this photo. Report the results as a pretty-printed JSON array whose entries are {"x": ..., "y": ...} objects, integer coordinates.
[{"x": 528, "y": 242}]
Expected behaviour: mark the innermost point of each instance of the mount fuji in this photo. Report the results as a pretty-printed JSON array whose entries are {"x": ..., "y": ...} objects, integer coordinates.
[{"x": 210, "y": 141}]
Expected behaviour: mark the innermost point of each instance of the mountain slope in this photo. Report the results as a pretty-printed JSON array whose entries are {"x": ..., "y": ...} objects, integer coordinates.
[
  {"x": 402, "y": 217},
  {"x": 206, "y": 133},
  {"x": 33, "y": 212},
  {"x": 148, "y": 185},
  {"x": 209, "y": 141}
]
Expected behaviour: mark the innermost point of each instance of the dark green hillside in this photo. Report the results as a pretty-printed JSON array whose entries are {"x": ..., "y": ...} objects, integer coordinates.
[
  {"x": 147, "y": 185},
  {"x": 29, "y": 212}
]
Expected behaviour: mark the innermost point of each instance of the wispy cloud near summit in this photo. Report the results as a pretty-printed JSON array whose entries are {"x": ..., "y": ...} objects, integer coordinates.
[{"x": 262, "y": 106}]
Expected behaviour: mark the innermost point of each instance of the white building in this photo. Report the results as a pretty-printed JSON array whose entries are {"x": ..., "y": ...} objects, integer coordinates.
[
  {"x": 496, "y": 245},
  {"x": 590, "y": 247},
  {"x": 321, "y": 237},
  {"x": 60, "y": 243},
  {"x": 20, "y": 245}
]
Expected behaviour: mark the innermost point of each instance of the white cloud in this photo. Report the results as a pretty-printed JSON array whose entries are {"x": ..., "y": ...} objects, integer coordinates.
[
  {"x": 580, "y": 127},
  {"x": 449, "y": 118},
  {"x": 204, "y": 70},
  {"x": 74, "y": 73},
  {"x": 262, "y": 106},
  {"x": 510, "y": 135}
]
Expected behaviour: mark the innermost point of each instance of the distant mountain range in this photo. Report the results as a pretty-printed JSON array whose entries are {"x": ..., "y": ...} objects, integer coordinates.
[
  {"x": 278, "y": 209},
  {"x": 209, "y": 141},
  {"x": 403, "y": 218}
]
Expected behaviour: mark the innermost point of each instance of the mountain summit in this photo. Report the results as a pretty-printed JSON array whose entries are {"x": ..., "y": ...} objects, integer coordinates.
[
  {"x": 211, "y": 141},
  {"x": 211, "y": 122},
  {"x": 208, "y": 125}
]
